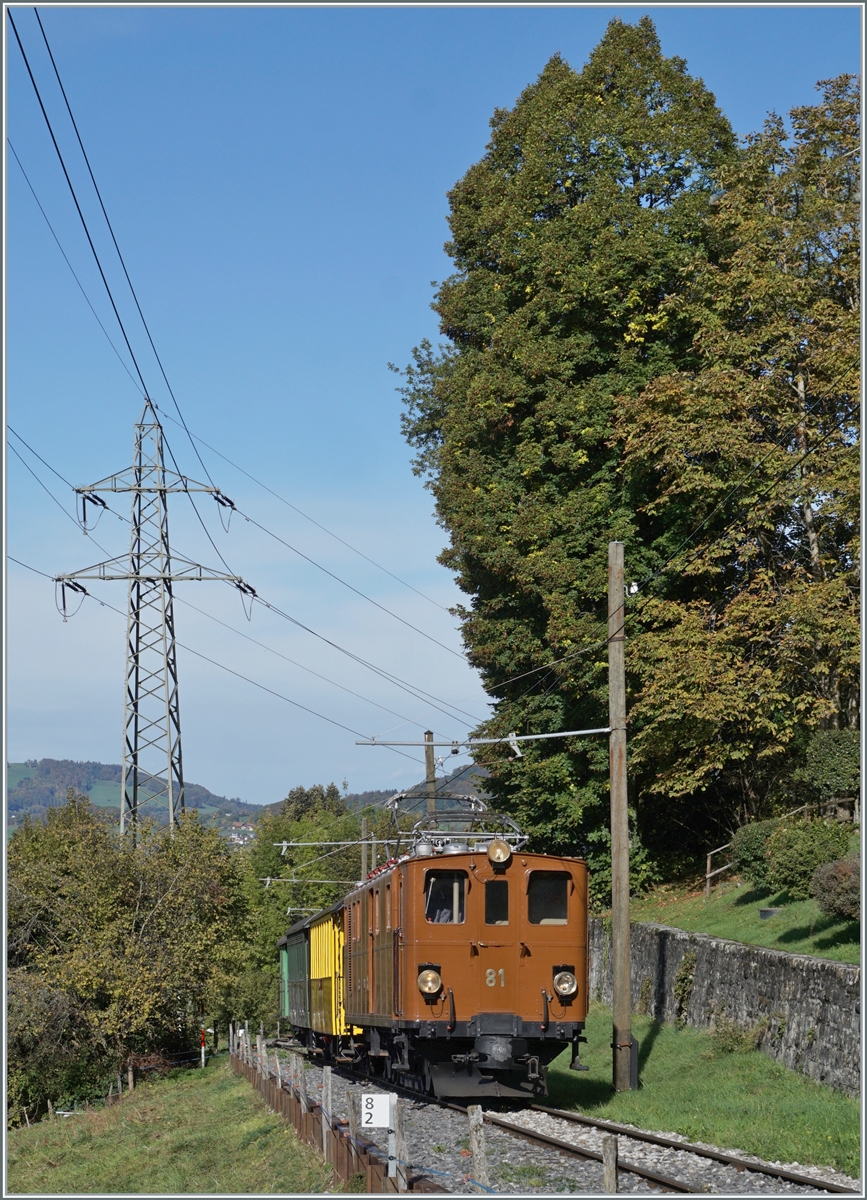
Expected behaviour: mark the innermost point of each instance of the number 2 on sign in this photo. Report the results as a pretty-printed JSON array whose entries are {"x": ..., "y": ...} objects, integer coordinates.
[{"x": 491, "y": 977}]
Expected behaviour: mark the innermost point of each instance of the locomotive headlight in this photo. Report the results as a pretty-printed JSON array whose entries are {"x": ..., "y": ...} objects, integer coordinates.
[
  {"x": 565, "y": 983},
  {"x": 499, "y": 852},
  {"x": 429, "y": 982}
]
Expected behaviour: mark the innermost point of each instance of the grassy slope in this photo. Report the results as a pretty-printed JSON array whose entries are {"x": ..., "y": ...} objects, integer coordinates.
[
  {"x": 733, "y": 912},
  {"x": 197, "y": 1132},
  {"x": 743, "y": 1101}
]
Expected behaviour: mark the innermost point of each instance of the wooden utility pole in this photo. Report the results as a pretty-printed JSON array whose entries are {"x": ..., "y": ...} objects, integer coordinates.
[
  {"x": 430, "y": 774},
  {"x": 624, "y": 1049},
  {"x": 363, "y": 848}
]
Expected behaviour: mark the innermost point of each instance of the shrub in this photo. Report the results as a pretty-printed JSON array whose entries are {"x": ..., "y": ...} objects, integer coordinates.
[
  {"x": 748, "y": 850},
  {"x": 837, "y": 887},
  {"x": 730, "y": 1038},
  {"x": 834, "y": 762},
  {"x": 796, "y": 848}
]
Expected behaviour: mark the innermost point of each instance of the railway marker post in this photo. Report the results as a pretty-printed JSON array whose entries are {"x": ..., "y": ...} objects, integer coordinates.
[
  {"x": 397, "y": 1153},
  {"x": 326, "y": 1113},
  {"x": 609, "y": 1164},
  {"x": 624, "y": 1046},
  {"x": 477, "y": 1144}
]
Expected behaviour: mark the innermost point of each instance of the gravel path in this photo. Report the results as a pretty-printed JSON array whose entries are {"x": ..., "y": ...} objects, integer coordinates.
[{"x": 436, "y": 1138}]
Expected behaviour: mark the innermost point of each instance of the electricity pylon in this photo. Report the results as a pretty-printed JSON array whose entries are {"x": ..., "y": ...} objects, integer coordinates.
[{"x": 152, "y": 719}]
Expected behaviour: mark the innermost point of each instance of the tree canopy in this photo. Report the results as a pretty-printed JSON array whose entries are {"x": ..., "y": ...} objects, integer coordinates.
[{"x": 634, "y": 303}]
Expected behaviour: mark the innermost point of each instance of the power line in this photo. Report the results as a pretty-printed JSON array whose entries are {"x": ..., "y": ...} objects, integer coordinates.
[
  {"x": 75, "y": 198},
  {"x": 369, "y": 599},
  {"x": 214, "y": 662},
  {"x": 307, "y": 517},
  {"x": 116, "y": 246},
  {"x": 69, "y": 264},
  {"x": 418, "y": 693},
  {"x": 120, "y": 256},
  {"x": 309, "y": 670}
]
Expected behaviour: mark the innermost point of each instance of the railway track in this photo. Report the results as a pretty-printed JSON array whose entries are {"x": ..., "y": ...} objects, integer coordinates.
[{"x": 698, "y": 1168}]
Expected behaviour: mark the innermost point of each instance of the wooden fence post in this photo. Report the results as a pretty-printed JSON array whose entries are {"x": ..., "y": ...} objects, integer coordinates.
[
  {"x": 302, "y": 1086},
  {"x": 353, "y": 1125},
  {"x": 609, "y": 1163},
  {"x": 326, "y": 1114},
  {"x": 477, "y": 1144}
]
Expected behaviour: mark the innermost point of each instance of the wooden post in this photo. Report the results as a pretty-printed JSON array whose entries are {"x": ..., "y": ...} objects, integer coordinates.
[
  {"x": 477, "y": 1144},
  {"x": 400, "y": 1151},
  {"x": 326, "y": 1113},
  {"x": 51, "y": 1109},
  {"x": 119, "y": 1084},
  {"x": 622, "y": 1042},
  {"x": 609, "y": 1164},
  {"x": 392, "y": 1149},
  {"x": 130, "y": 1077},
  {"x": 364, "y": 848},
  {"x": 430, "y": 774},
  {"x": 302, "y": 1086},
  {"x": 353, "y": 1123}
]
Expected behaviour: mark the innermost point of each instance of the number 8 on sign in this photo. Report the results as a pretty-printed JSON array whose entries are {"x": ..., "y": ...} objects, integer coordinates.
[{"x": 374, "y": 1111}]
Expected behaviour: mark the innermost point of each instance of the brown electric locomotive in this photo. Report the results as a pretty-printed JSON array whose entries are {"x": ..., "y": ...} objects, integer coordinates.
[{"x": 459, "y": 969}]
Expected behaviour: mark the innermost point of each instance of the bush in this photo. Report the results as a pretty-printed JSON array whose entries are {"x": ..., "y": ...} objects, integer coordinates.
[
  {"x": 749, "y": 845},
  {"x": 796, "y": 848},
  {"x": 834, "y": 763},
  {"x": 837, "y": 887}
]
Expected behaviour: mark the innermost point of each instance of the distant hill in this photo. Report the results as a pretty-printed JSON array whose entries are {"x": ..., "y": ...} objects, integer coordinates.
[{"x": 35, "y": 786}]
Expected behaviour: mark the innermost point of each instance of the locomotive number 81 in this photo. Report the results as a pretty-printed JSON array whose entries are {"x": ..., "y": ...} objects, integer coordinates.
[{"x": 459, "y": 969}]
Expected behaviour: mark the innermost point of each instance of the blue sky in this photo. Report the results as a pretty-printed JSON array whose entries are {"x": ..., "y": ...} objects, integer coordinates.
[{"x": 276, "y": 178}]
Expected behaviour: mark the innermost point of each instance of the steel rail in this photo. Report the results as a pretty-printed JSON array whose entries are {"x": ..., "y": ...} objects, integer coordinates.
[
  {"x": 731, "y": 1160},
  {"x": 530, "y": 1135},
  {"x": 664, "y": 1181},
  {"x": 546, "y": 1139}
]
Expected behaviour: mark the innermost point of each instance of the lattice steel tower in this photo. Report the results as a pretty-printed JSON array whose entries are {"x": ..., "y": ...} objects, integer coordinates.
[{"x": 152, "y": 719}]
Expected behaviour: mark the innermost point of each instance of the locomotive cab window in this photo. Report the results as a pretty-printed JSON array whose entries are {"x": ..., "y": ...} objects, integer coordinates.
[
  {"x": 445, "y": 897},
  {"x": 497, "y": 902},
  {"x": 548, "y": 897}
]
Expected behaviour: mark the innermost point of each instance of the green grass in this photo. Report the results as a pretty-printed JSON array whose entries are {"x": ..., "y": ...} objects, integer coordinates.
[
  {"x": 733, "y": 912},
  {"x": 196, "y": 1132},
  {"x": 742, "y": 1101}
]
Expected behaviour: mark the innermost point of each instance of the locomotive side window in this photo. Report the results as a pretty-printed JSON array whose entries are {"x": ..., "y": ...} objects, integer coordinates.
[
  {"x": 497, "y": 902},
  {"x": 444, "y": 897},
  {"x": 547, "y": 897}
]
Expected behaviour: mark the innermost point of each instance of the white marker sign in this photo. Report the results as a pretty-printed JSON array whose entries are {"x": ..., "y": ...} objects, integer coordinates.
[{"x": 374, "y": 1111}]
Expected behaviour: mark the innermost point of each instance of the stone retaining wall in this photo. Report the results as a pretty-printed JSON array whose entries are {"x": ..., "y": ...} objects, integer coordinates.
[{"x": 804, "y": 1011}]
